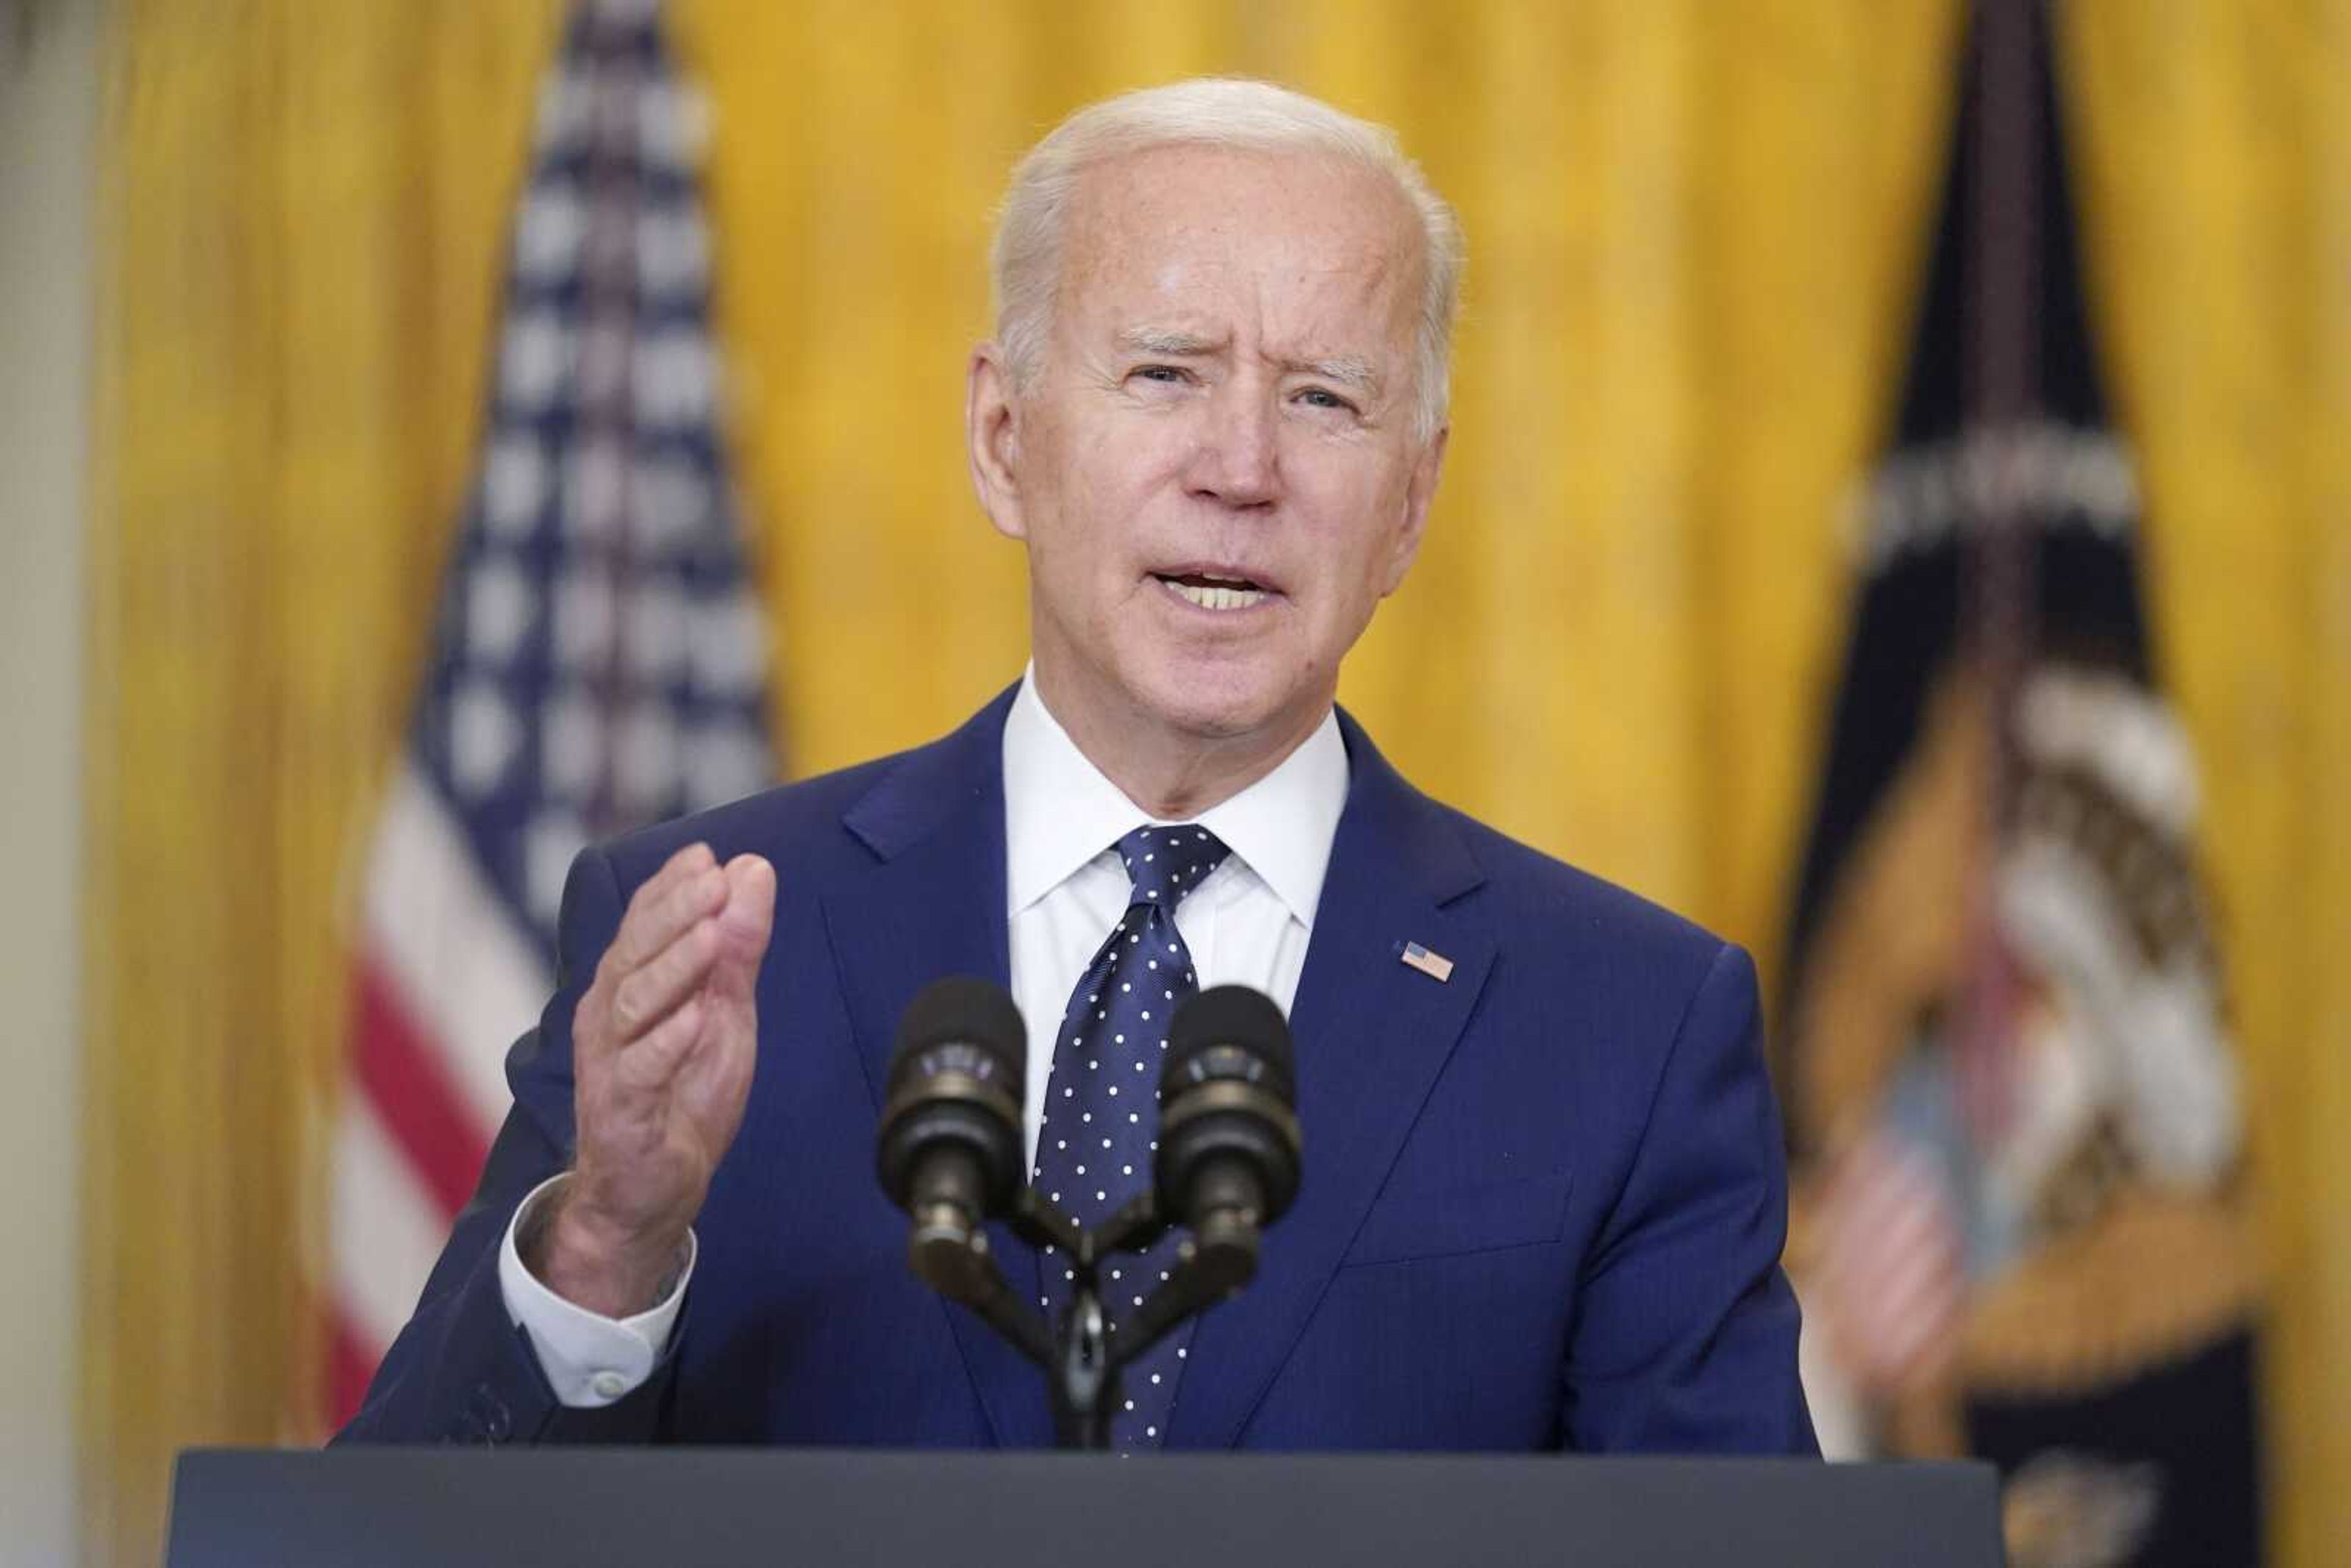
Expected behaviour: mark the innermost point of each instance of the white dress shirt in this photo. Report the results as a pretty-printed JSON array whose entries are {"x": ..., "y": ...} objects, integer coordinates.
[{"x": 1246, "y": 924}]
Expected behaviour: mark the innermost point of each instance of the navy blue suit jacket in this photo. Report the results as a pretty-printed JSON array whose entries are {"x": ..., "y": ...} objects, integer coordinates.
[{"x": 1543, "y": 1200}]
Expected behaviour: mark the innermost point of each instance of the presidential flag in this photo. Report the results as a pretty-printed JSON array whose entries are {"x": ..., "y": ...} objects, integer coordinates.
[
  {"x": 597, "y": 659},
  {"x": 2019, "y": 1229}
]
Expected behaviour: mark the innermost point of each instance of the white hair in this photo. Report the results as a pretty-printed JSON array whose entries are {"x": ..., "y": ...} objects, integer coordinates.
[{"x": 1219, "y": 112}]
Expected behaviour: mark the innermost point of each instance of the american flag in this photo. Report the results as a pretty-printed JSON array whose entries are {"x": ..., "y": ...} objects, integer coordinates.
[
  {"x": 599, "y": 660},
  {"x": 1889, "y": 1286}
]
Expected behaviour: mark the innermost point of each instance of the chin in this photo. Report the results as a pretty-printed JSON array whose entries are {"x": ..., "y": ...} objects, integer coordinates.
[{"x": 1214, "y": 697}]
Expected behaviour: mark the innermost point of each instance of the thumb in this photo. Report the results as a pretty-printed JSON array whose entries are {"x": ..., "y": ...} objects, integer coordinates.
[{"x": 749, "y": 914}]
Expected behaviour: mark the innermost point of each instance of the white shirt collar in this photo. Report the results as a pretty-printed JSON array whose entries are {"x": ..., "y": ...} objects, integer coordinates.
[{"x": 1060, "y": 812}]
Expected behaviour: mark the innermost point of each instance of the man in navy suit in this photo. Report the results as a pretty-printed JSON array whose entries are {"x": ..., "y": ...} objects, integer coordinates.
[{"x": 1544, "y": 1203}]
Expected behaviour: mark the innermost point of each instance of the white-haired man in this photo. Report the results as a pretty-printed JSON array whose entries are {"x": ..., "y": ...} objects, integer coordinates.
[{"x": 1544, "y": 1202}]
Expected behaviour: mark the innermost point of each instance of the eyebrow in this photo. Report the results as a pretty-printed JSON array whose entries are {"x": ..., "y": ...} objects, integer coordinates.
[
  {"x": 1161, "y": 340},
  {"x": 1347, "y": 370}
]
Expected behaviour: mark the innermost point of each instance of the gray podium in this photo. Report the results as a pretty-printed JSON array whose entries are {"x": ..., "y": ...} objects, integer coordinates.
[{"x": 679, "y": 1508}]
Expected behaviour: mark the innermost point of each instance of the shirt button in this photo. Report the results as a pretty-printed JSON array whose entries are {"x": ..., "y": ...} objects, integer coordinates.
[{"x": 608, "y": 1384}]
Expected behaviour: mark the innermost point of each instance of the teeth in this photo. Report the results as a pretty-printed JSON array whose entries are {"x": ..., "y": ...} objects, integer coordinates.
[{"x": 1220, "y": 598}]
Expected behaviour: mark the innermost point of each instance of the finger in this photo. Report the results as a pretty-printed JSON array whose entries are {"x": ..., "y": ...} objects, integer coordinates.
[
  {"x": 688, "y": 888},
  {"x": 652, "y": 990},
  {"x": 746, "y": 920},
  {"x": 750, "y": 909},
  {"x": 713, "y": 1079},
  {"x": 683, "y": 863},
  {"x": 652, "y": 1061}
]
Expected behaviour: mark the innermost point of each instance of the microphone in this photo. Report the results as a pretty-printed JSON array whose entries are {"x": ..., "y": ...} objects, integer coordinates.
[
  {"x": 949, "y": 1152},
  {"x": 1228, "y": 1140}
]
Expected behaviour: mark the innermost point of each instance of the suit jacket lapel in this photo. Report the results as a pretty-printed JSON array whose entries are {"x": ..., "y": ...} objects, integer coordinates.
[
  {"x": 1372, "y": 1034},
  {"x": 933, "y": 905}
]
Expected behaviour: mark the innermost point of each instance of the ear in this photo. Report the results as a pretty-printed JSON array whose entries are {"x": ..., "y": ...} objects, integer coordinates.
[
  {"x": 1419, "y": 491},
  {"x": 991, "y": 419}
]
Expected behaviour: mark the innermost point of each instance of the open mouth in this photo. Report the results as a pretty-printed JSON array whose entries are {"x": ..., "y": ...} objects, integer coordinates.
[{"x": 1212, "y": 590}]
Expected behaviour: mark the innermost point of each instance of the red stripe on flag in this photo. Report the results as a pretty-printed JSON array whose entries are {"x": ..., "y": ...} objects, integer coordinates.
[
  {"x": 401, "y": 1073},
  {"x": 349, "y": 1366}
]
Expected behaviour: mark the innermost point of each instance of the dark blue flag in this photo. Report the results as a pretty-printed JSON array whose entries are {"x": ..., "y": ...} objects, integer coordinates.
[{"x": 2012, "y": 1096}]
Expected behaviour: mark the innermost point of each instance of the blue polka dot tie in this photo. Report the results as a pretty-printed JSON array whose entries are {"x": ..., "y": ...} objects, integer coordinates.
[{"x": 1101, "y": 1121}]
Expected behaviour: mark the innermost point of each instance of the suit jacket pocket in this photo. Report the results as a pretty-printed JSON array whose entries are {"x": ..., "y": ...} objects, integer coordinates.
[{"x": 1443, "y": 1222}]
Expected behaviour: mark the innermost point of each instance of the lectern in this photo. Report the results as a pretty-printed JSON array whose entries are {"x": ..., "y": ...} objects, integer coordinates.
[{"x": 683, "y": 1508}]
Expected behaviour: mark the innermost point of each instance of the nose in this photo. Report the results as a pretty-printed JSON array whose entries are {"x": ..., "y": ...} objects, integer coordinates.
[{"x": 1235, "y": 461}]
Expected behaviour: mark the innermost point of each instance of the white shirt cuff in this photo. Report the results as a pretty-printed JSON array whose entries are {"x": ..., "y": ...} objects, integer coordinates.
[{"x": 589, "y": 1359}]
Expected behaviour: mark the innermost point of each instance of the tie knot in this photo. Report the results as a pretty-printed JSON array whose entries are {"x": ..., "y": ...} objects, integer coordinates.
[{"x": 1166, "y": 864}]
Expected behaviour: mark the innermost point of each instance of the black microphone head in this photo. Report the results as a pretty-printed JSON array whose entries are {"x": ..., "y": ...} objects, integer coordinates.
[
  {"x": 962, "y": 1010},
  {"x": 1228, "y": 1138},
  {"x": 951, "y": 1104},
  {"x": 1229, "y": 1031}
]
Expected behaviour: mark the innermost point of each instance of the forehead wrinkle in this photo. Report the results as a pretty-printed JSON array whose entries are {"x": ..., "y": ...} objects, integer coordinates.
[{"x": 1190, "y": 270}]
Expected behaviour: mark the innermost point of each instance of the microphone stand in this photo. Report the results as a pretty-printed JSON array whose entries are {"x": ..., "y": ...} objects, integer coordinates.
[{"x": 1081, "y": 1357}]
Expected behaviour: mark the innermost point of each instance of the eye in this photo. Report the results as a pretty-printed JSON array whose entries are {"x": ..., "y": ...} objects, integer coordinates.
[
  {"x": 1324, "y": 397},
  {"x": 1166, "y": 375}
]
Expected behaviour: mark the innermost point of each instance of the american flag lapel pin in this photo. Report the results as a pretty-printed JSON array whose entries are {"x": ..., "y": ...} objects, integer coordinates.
[{"x": 1436, "y": 965}]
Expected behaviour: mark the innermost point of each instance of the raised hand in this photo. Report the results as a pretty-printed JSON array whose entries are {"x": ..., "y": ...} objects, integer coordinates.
[{"x": 662, "y": 1047}]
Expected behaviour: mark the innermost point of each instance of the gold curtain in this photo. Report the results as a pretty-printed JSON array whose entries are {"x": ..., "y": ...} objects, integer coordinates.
[
  {"x": 2218, "y": 182},
  {"x": 1693, "y": 229}
]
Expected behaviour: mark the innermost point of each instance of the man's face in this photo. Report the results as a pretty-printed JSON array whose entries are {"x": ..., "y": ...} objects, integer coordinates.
[{"x": 1215, "y": 471}]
